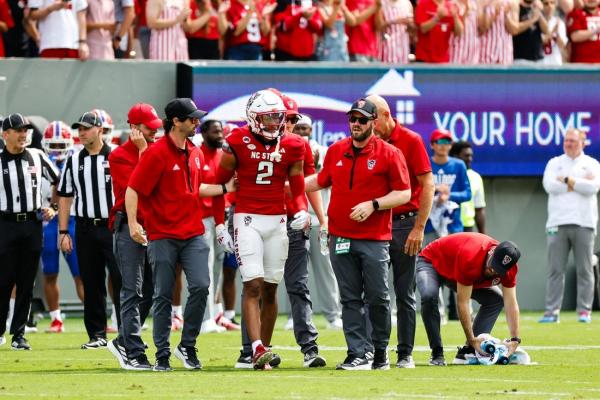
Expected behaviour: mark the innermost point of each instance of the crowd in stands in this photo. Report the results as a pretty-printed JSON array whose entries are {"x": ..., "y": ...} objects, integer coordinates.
[{"x": 390, "y": 31}]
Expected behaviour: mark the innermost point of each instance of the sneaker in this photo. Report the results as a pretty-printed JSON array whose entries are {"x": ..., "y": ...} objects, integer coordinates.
[
  {"x": 461, "y": 355},
  {"x": 188, "y": 356},
  {"x": 20, "y": 343},
  {"x": 2, "y": 340},
  {"x": 31, "y": 327},
  {"x": 336, "y": 324},
  {"x": 118, "y": 351},
  {"x": 549, "y": 318},
  {"x": 381, "y": 360},
  {"x": 354, "y": 364},
  {"x": 244, "y": 361},
  {"x": 139, "y": 363},
  {"x": 56, "y": 326},
  {"x": 312, "y": 359},
  {"x": 289, "y": 325},
  {"x": 262, "y": 356},
  {"x": 369, "y": 357},
  {"x": 276, "y": 360},
  {"x": 226, "y": 323},
  {"x": 162, "y": 365},
  {"x": 210, "y": 326},
  {"x": 177, "y": 323},
  {"x": 405, "y": 362},
  {"x": 437, "y": 361},
  {"x": 95, "y": 343},
  {"x": 585, "y": 317}
]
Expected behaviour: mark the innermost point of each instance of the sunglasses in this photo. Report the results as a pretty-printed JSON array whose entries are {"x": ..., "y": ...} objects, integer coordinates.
[
  {"x": 361, "y": 120},
  {"x": 293, "y": 120},
  {"x": 443, "y": 141}
]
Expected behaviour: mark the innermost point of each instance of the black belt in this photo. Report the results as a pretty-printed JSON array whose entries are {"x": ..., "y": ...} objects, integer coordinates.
[
  {"x": 404, "y": 215},
  {"x": 92, "y": 221},
  {"x": 19, "y": 217}
]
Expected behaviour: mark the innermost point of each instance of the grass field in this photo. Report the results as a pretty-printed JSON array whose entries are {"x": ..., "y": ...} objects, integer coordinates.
[{"x": 567, "y": 357}]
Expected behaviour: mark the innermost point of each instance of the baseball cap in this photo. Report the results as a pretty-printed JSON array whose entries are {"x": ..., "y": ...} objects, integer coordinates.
[
  {"x": 304, "y": 120},
  {"x": 143, "y": 113},
  {"x": 290, "y": 105},
  {"x": 87, "y": 120},
  {"x": 183, "y": 107},
  {"x": 504, "y": 257},
  {"x": 16, "y": 121},
  {"x": 365, "y": 107},
  {"x": 441, "y": 134}
]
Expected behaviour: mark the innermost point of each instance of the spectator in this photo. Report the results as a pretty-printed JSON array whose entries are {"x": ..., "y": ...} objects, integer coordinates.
[
  {"x": 62, "y": 28},
  {"x": 332, "y": 46},
  {"x": 17, "y": 40},
  {"x": 464, "y": 49},
  {"x": 572, "y": 181},
  {"x": 527, "y": 43},
  {"x": 498, "y": 22},
  {"x": 124, "y": 16},
  {"x": 6, "y": 23},
  {"x": 555, "y": 42},
  {"x": 167, "y": 20},
  {"x": 436, "y": 21},
  {"x": 362, "y": 35},
  {"x": 203, "y": 31},
  {"x": 100, "y": 25},
  {"x": 584, "y": 32},
  {"x": 297, "y": 22},
  {"x": 143, "y": 32},
  {"x": 395, "y": 23}
]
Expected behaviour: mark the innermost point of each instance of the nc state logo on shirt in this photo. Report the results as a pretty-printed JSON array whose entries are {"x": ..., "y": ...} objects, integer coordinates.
[
  {"x": 496, "y": 281},
  {"x": 247, "y": 220},
  {"x": 371, "y": 164}
]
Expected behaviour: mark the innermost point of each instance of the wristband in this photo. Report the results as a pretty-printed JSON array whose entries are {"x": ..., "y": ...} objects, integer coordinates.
[
  {"x": 375, "y": 204},
  {"x": 54, "y": 206},
  {"x": 63, "y": 231},
  {"x": 515, "y": 339},
  {"x": 82, "y": 41},
  {"x": 566, "y": 180},
  {"x": 224, "y": 188},
  {"x": 117, "y": 38}
]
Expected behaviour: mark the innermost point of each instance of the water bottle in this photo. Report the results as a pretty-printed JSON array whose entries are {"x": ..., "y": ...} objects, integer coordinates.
[
  {"x": 324, "y": 241},
  {"x": 488, "y": 346}
]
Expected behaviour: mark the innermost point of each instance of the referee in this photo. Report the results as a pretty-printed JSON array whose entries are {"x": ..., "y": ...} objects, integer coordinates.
[
  {"x": 21, "y": 216},
  {"x": 86, "y": 180}
]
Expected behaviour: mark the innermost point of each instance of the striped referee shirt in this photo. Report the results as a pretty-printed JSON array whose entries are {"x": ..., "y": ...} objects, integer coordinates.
[
  {"x": 21, "y": 183},
  {"x": 87, "y": 178}
]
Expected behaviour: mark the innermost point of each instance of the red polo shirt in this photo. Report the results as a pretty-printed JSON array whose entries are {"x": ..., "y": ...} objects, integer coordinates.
[
  {"x": 362, "y": 38},
  {"x": 212, "y": 158},
  {"x": 589, "y": 51},
  {"x": 167, "y": 180},
  {"x": 413, "y": 149},
  {"x": 377, "y": 170},
  {"x": 460, "y": 257},
  {"x": 309, "y": 169},
  {"x": 295, "y": 34}
]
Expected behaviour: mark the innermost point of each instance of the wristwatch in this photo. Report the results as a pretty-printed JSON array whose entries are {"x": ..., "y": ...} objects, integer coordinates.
[
  {"x": 375, "y": 204},
  {"x": 515, "y": 339},
  {"x": 566, "y": 180}
]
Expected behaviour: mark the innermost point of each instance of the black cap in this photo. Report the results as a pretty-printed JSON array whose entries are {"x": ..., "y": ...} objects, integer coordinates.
[
  {"x": 87, "y": 120},
  {"x": 504, "y": 257},
  {"x": 183, "y": 107},
  {"x": 365, "y": 107},
  {"x": 16, "y": 121}
]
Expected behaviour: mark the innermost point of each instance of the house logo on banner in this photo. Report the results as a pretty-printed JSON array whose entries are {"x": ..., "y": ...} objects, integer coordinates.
[{"x": 392, "y": 84}]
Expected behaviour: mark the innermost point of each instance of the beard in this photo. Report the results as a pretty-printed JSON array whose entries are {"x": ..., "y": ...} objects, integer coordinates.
[
  {"x": 215, "y": 144},
  {"x": 363, "y": 135}
]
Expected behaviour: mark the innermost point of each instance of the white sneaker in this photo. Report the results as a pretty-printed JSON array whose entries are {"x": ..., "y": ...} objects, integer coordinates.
[
  {"x": 31, "y": 329},
  {"x": 210, "y": 326},
  {"x": 336, "y": 324},
  {"x": 2, "y": 340},
  {"x": 289, "y": 325}
]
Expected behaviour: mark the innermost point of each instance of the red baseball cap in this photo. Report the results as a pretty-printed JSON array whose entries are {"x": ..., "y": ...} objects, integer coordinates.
[
  {"x": 441, "y": 134},
  {"x": 143, "y": 113},
  {"x": 290, "y": 105}
]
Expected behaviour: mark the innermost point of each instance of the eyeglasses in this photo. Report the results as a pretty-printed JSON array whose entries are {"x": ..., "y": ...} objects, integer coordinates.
[
  {"x": 443, "y": 141},
  {"x": 361, "y": 120},
  {"x": 293, "y": 120}
]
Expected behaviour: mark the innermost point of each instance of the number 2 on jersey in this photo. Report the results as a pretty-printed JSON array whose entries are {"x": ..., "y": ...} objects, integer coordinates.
[{"x": 265, "y": 171}]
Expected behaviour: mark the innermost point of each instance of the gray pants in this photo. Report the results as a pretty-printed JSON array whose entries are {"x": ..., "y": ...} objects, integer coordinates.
[
  {"x": 429, "y": 283},
  {"x": 326, "y": 290},
  {"x": 581, "y": 240},
  {"x": 215, "y": 265},
  {"x": 193, "y": 256},
  {"x": 136, "y": 289},
  {"x": 362, "y": 276}
]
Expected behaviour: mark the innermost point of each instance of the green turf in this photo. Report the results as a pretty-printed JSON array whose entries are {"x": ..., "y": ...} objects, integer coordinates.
[{"x": 567, "y": 354}]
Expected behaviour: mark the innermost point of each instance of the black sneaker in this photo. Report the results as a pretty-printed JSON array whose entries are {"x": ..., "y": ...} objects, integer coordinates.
[
  {"x": 139, "y": 363},
  {"x": 162, "y": 364},
  {"x": 118, "y": 351},
  {"x": 437, "y": 361},
  {"x": 354, "y": 364},
  {"x": 381, "y": 360},
  {"x": 95, "y": 343},
  {"x": 461, "y": 354},
  {"x": 188, "y": 356},
  {"x": 369, "y": 357},
  {"x": 405, "y": 362},
  {"x": 20, "y": 343},
  {"x": 275, "y": 361},
  {"x": 312, "y": 359},
  {"x": 244, "y": 361}
]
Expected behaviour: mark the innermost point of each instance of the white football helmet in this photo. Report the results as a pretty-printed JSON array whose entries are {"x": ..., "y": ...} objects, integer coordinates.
[
  {"x": 58, "y": 140},
  {"x": 107, "y": 125},
  {"x": 265, "y": 112}
]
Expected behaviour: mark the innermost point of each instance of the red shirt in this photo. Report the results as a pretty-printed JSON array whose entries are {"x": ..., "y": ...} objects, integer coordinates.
[
  {"x": 167, "y": 180},
  {"x": 433, "y": 46},
  {"x": 362, "y": 39},
  {"x": 140, "y": 12},
  {"x": 309, "y": 169},
  {"x": 210, "y": 30},
  {"x": 295, "y": 34},
  {"x": 262, "y": 181},
  {"x": 252, "y": 34},
  {"x": 460, "y": 257},
  {"x": 377, "y": 170},
  {"x": 413, "y": 149},
  {"x": 212, "y": 158},
  {"x": 6, "y": 17},
  {"x": 122, "y": 161},
  {"x": 588, "y": 51}
]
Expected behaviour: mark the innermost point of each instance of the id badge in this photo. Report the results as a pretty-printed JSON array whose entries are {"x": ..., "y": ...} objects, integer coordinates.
[
  {"x": 342, "y": 245},
  {"x": 552, "y": 231}
]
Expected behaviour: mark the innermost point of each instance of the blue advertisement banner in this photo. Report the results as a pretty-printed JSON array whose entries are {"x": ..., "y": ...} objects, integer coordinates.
[{"x": 515, "y": 119}]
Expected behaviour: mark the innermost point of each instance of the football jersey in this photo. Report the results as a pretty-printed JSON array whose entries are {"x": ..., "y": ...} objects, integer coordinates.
[
  {"x": 589, "y": 50},
  {"x": 262, "y": 180},
  {"x": 237, "y": 11}
]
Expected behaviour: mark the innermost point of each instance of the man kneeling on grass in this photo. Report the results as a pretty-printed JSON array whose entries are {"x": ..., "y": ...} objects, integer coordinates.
[{"x": 472, "y": 264}]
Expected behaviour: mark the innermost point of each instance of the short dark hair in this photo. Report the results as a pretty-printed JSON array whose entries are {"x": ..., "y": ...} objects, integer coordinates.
[
  {"x": 459, "y": 146},
  {"x": 168, "y": 125},
  {"x": 207, "y": 124}
]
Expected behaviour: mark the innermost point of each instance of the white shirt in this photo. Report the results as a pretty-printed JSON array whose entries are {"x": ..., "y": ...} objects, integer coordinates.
[
  {"x": 580, "y": 206},
  {"x": 59, "y": 30},
  {"x": 555, "y": 57}
]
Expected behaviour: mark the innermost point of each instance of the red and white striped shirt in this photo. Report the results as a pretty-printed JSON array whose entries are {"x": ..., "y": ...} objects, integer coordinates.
[
  {"x": 496, "y": 45},
  {"x": 169, "y": 44},
  {"x": 464, "y": 49},
  {"x": 394, "y": 44}
]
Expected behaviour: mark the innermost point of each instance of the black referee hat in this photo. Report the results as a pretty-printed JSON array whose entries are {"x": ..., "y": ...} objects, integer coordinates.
[
  {"x": 16, "y": 121},
  {"x": 87, "y": 120}
]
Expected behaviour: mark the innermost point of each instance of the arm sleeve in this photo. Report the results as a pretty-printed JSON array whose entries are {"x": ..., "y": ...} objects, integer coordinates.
[
  {"x": 297, "y": 189},
  {"x": 65, "y": 185},
  {"x": 589, "y": 186},
  {"x": 147, "y": 172},
  {"x": 49, "y": 171},
  {"x": 461, "y": 190},
  {"x": 551, "y": 185}
]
